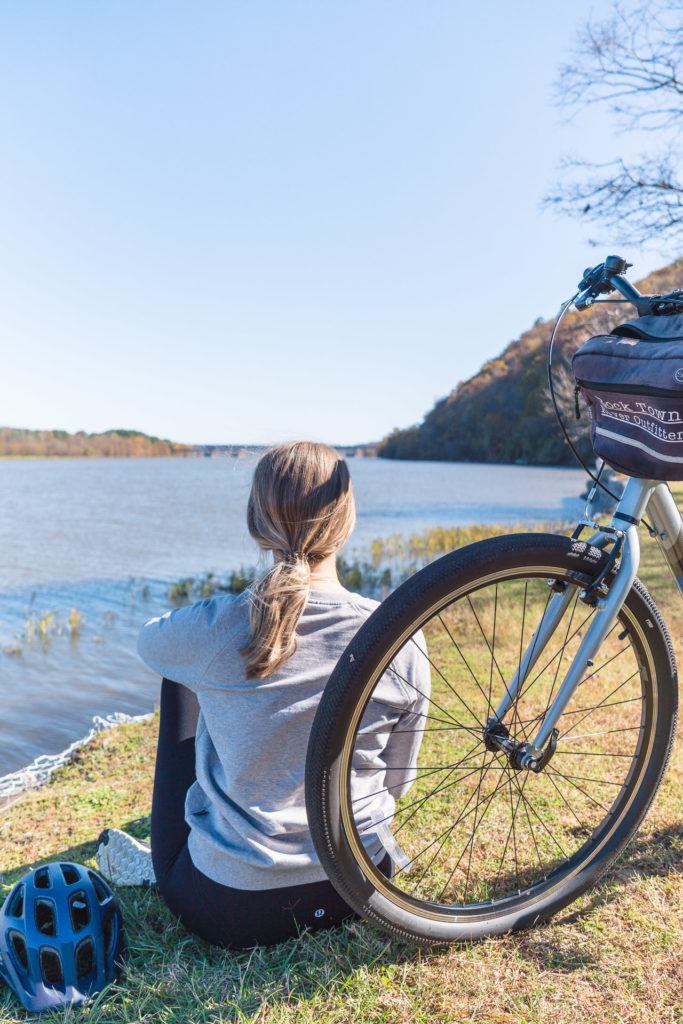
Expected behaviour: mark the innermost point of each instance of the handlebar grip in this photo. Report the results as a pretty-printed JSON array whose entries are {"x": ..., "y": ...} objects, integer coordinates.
[
  {"x": 598, "y": 280},
  {"x": 615, "y": 265}
]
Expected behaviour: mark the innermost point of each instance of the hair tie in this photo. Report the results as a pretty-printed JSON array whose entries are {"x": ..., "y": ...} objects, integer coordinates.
[{"x": 293, "y": 556}]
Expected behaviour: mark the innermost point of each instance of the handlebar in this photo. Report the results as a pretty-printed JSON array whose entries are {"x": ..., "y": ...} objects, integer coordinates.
[{"x": 608, "y": 277}]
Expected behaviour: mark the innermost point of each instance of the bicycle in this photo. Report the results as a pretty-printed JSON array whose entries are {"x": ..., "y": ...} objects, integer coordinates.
[{"x": 544, "y": 734}]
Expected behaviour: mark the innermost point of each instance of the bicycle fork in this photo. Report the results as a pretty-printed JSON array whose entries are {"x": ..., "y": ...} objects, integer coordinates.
[{"x": 623, "y": 530}]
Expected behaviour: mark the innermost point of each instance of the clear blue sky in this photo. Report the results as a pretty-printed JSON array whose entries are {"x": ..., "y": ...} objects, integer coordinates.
[{"x": 249, "y": 221}]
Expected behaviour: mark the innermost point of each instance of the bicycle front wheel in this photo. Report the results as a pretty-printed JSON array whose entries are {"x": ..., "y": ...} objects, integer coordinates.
[{"x": 400, "y": 759}]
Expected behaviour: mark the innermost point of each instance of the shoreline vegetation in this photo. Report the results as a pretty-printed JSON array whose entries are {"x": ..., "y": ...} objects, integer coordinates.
[
  {"x": 19, "y": 443},
  {"x": 613, "y": 956},
  {"x": 119, "y": 443},
  {"x": 373, "y": 570}
]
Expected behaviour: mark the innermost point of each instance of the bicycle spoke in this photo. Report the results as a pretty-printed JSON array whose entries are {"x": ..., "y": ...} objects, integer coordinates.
[
  {"x": 471, "y": 842},
  {"x": 388, "y": 789},
  {"x": 616, "y": 703},
  {"x": 495, "y": 618},
  {"x": 605, "y": 732},
  {"x": 450, "y": 687},
  {"x": 438, "y": 790},
  {"x": 600, "y": 704},
  {"x": 592, "y": 753},
  {"x": 604, "y": 665},
  {"x": 467, "y": 664},
  {"x": 556, "y": 655},
  {"x": 404, "y": 711},
  {"x": 474, "y": 796},
  {"x": 537, "y": 815},
  {"x": 599, "y": 782},
  {"x": 437, "y": 728},
  {"x": 481, "y": 630},
  {"x": 520, "y": 790},
  {"x": 566, "y": 802},
  {"x": 531, "y": 830},
  {"x": 446, "y": 834},
  {"x": 502, "y": 781},
  {"x": 431, "y": 701},
  {"x": 435, "y": 790},
  {"x": 567, "y": 778}
]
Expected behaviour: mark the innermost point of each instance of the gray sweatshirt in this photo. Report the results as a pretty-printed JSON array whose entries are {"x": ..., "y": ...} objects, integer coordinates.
[{"x": 246, "y": 811}]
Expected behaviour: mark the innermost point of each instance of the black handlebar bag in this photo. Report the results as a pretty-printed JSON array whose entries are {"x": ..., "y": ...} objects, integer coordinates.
[{"x": 632, "y": 380}]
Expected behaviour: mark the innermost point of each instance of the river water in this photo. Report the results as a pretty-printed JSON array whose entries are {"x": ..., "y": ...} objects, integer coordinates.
[{"x": 107, "y": 537}]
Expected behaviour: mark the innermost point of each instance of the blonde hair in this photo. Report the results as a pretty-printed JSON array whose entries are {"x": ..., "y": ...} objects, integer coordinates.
[{"x": 301, "y": 507}]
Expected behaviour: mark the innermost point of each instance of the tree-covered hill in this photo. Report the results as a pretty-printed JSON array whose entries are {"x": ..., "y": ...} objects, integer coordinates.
[
  {"x": 112, "y": 443},
  {"x": 503, "y": 413}
]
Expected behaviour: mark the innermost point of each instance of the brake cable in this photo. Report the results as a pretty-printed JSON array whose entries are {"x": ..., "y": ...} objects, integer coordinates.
[{"x": 553, "y": 397}]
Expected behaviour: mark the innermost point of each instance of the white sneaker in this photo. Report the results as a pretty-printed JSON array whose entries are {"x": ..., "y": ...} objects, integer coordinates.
[{"x": 123, "y": 859}]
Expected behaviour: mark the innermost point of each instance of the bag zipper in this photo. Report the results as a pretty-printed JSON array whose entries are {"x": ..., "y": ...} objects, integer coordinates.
[
  {"x": 628, "y": 389},
  {"x": 624, "y": 389}
]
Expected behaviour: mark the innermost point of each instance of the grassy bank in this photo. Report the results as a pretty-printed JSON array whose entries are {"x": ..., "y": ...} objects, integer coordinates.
[{"x": 615, "y": 956}]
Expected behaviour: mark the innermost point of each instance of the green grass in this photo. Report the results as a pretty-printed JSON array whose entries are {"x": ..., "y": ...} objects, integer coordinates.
[{"x": 614, "y": 956}]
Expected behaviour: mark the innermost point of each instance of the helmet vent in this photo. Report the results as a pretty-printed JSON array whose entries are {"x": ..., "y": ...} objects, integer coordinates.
[
  {"x": 79, "y": 910},
  {"x": 70, "y": 874},
  {"x": 51, "y": 967},
  {"x": 109, "y": 933},
  {"x": 18, "y": 944},
  {"x": 41, "y": 879},
  {"x": 46, "y": 921},
  {"x": 102, "y": 891},
  {"x": 85, "y": 957},
  {"x": 15, "y": 907}
]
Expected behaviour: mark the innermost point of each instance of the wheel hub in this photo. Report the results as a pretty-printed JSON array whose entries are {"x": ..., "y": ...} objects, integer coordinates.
[{"x": 521, "y": 755}]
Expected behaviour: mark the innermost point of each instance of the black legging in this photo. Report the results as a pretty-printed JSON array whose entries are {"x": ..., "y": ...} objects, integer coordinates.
[{"x": 235, "y": 918}]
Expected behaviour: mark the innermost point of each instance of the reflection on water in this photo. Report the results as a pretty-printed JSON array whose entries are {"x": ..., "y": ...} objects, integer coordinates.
[{"x": 109, "y": 536}]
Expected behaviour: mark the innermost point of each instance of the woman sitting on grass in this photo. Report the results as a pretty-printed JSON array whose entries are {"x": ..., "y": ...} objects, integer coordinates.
[{"x": 242, "y": 676}]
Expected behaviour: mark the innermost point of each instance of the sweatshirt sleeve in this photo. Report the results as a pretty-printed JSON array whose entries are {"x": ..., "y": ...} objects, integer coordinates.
[
  {"x": 406, "y": 736},
  {"x": 181, "y": 644}
]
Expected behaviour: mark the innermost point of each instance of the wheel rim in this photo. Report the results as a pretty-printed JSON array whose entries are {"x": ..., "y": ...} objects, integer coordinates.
[{"x": 478, "y": 838}]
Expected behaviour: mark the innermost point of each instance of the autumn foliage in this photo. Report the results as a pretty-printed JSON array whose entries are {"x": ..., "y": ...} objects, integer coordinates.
[
  {"x": 111, "y": 443},
  {"x": 503, "y": 413}
]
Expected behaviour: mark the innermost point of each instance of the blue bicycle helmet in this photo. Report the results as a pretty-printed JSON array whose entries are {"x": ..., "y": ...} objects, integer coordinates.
[{"x": 61, "y": 936}]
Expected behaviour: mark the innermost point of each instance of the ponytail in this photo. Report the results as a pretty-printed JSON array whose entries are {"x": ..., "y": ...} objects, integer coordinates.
[
  {"x": 301, "y": 508},
  {"x": 277, "y": 601}
]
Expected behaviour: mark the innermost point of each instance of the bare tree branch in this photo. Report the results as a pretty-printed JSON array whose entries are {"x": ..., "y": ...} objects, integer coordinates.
[
  {"x": 634, "y": 56},
  {"x": 631, "y": 64}
]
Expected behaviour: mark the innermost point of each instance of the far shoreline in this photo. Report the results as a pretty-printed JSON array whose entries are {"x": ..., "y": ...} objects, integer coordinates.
[{"x": 246, "y": 453}]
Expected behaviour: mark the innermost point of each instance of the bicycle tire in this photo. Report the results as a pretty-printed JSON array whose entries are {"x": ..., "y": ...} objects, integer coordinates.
[{"x": 402, "y": 612}]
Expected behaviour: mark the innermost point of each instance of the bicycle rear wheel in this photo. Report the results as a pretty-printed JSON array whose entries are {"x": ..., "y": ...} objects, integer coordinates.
[{"x": 479, "y": 847}]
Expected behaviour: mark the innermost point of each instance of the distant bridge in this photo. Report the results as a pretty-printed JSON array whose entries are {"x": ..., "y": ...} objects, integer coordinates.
[{"x": 242, "y": 451}]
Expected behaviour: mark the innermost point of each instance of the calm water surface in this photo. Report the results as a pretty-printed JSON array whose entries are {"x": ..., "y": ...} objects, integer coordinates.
[{"x": 109, "y": 536}]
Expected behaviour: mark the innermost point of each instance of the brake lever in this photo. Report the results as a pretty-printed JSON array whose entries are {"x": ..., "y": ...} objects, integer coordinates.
[
  {"x": 597, "y": 280},
  {"x": 584, "y": 300}
]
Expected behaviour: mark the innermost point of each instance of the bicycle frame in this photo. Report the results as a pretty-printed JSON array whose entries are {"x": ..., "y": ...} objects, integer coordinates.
[{"x": 667, "y": 526}]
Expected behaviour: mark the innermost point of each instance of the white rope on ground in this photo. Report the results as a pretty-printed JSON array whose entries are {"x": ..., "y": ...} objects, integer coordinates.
[{"x": 43, "y": 768}]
